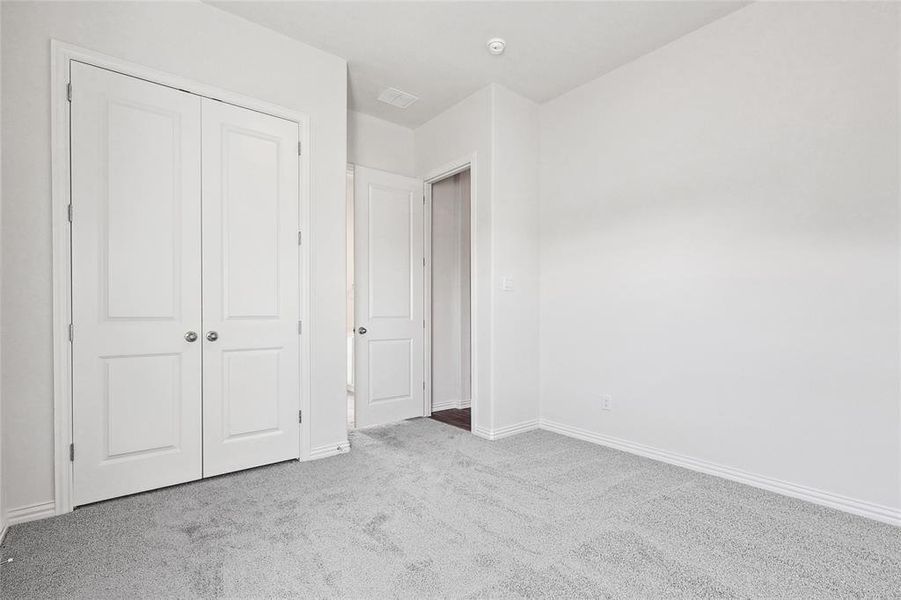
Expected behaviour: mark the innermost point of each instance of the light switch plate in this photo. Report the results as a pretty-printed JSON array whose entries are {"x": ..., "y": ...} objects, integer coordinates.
[{"x": 507, "y": 283}]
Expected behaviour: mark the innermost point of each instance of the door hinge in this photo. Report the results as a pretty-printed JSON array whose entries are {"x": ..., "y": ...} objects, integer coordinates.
[
  {"x": 71, "y": 452},
  {"x": 69, "y": 212},
  {"x": 299, "y": 238},
  {"x": 423, "y": 323},
  {"x": 69, "y": 91},
  {"x": 300, "y": 416},
  {"x": 71, "y": 332},
  {"x": 300, "y": 327},
  {"x": 299, "y": 148}
]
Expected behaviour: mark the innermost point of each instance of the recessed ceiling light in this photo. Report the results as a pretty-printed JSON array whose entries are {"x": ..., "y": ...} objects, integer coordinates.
[
  {"x": 496, "y": 46},
  {"x": 398, "y": 98}
]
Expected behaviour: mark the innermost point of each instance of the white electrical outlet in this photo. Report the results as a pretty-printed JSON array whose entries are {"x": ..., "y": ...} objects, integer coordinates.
[{"x": 606, "y": 402}]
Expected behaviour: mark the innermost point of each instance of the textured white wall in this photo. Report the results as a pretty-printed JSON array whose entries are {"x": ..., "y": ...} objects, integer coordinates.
[
  {"x": 719, "y": 248},
  {"x": 192, "y": 40},
  {"x": 2, "y": 486},
  {"x": 515, "y": 255},
  {"x": 379, "y": 144}
]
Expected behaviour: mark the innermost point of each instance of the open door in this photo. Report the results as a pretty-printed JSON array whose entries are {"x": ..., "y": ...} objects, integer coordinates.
[{"x": 388, "y": 307}]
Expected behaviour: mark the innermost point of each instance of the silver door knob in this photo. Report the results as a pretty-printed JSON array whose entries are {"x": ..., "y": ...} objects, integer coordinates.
[
  {"x": 191, "y": 336},
  {"x": 212, "y": 336},
  {"x": 361, "y": 330}
]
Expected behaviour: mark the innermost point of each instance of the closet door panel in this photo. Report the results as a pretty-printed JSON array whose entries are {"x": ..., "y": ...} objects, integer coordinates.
[
  {"x": 251, "y": 288},
  {"x": 135, "y": 152}
]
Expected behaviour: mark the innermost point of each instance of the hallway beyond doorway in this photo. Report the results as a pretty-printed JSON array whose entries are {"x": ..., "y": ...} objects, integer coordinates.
[{"x": 458, "y": 417}]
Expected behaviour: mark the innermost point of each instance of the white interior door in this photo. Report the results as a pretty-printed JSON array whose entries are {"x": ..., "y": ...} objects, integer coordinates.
[
  {"x": 135, "y": 151},
  {"x": 388, "y": 271},
  {"x": 251, "y": 289}
]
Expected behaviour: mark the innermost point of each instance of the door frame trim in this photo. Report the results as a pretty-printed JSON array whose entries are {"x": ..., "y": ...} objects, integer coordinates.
[
  {"x": 449, "y": 170},
  {"x": 61, "y": 55}
]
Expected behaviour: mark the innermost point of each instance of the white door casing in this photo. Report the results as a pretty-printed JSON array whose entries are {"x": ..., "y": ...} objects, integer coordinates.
[
  {"x": 389, "y": 302},
  {"x": 251, "y": 288},
  {"x": 135, "y": 284}
]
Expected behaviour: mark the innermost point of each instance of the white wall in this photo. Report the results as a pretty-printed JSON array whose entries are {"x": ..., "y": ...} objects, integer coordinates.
[
  {"x": 450, "y": 293},
  {"x": 719, "y": 249},
  {"x": 379, "y": 144},
  {"x": 501, "y": 128},
  {"x": 2, "y": 486},
  {"x": 515, "y": 255},
  {"x": 192, "y": 40}
]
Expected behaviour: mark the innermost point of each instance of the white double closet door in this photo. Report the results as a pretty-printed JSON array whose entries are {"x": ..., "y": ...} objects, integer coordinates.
[{"x": 185, "y": 286}]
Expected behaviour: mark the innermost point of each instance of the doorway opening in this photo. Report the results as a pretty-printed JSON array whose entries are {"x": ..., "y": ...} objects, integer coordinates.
[
  {"x": 410, "y": 255},
  {"x": 450, "y": 299}
]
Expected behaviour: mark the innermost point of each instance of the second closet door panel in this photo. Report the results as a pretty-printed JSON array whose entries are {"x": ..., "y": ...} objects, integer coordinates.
[{"x": 251, "y": 280}]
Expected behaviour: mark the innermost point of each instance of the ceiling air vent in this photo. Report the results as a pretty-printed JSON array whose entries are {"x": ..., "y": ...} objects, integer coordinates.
[{"x": 397, "y": 98}]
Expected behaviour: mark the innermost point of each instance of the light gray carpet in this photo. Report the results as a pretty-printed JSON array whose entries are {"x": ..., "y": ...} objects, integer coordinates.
[{"x": 421, "y": 509}]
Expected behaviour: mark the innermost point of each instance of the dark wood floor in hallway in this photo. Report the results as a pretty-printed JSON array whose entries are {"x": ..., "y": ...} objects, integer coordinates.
[{"x": 458, "y": 417}]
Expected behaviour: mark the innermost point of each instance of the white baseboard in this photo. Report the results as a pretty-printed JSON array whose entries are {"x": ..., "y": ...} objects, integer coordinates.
[
  {"x": 502, "y": 432},
  {"x": 32, "y": 512},
  {"x": 447, "y": 404},
  {"x": 862, "y": 508},
  {"x": 333, "y": 449},
  {"x": 481, "y": 432}
]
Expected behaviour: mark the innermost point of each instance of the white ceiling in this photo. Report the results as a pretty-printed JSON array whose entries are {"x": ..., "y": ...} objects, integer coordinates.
[{"x": 436, "y": 50}]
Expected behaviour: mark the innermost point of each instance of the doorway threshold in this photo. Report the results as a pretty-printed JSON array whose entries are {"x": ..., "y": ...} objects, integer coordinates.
[{"x": 458, "y": 417}]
